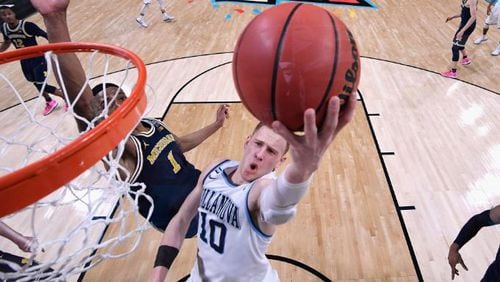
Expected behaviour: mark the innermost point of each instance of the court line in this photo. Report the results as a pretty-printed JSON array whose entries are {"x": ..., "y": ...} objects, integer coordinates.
[
  {"x": 230, "y": 52},
  {"x": 393, "y": 194}
]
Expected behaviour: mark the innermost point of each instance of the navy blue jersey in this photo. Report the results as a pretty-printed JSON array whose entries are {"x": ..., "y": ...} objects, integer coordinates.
[
  {"x": 20, "y": 262},
  {"x": 493, "y": 272},
  {"x": 465, "y": 14},
  {"x": 23, "y": 35},
  {"x": 167, "y": 174}
]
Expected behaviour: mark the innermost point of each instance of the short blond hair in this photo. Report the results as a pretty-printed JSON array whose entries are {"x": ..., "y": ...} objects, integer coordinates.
[{"x": 261, "y": 124}]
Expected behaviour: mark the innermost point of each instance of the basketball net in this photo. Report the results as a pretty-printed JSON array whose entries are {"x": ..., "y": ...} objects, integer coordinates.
[{"x": 68, "y": 225}]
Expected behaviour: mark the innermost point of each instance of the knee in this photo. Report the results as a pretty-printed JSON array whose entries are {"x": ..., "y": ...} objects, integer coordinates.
[{"x": 38, "y": 85}]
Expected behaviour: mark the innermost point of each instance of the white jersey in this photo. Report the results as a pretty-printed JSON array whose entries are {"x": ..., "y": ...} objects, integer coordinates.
[
  {"x": 230, "y": 246},
  {"x": 494, "y": 17}
]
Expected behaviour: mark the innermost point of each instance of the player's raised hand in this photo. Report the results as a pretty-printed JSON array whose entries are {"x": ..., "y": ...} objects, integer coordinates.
[
  {"x": 455, "y": 258},
  {"x": 46, "y": 7},
  {"x": 308, "y": 149},
  {"x": 222, "y": 114}
]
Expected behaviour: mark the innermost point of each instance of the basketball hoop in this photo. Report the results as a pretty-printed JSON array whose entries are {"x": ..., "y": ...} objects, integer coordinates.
[{"x": 60, "y": 169}]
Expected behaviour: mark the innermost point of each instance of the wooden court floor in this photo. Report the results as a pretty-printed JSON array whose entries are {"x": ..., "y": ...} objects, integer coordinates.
[{"x": 420, "y": 158}]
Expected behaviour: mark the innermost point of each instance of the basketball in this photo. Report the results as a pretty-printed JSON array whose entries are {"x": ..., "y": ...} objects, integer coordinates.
[{"x": 293, "y": 57}]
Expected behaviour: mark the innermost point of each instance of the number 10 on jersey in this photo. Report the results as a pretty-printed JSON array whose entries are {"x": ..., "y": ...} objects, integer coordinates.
[{"x": 213, "y": 233}]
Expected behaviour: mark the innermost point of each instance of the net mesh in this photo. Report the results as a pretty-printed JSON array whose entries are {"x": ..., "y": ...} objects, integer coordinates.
[{"x": 68, "y": 225}]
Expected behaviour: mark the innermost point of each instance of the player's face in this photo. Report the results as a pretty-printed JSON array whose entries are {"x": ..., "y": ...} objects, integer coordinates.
[
  {"x": 264, "y": 152},
  {"x": 113, "y": 100},
  {"x": 8, "y": 16}
]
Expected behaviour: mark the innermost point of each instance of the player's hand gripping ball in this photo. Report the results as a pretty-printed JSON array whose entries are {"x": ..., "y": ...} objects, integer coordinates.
[{"x": 293, "y": 57}]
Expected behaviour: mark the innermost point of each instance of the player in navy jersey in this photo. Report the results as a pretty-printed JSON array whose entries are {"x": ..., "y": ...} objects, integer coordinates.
[
  {"x": 467, "y": 25},
  {"x": 240, "y": 204},
  {"x": 153, "y": 155},
  {"x": 468, "y": 231},
  {"x": 22, "y": 33},
  {"x": 163, "y": 168}
]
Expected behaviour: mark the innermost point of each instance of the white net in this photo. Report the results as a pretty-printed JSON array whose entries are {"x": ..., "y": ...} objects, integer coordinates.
[{"x": 68, "y": 226}]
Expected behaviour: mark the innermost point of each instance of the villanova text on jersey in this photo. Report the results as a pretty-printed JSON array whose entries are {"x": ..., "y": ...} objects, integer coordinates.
[{"x": 221, "y": 206}]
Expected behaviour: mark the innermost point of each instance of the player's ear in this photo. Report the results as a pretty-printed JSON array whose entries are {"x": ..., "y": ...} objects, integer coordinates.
[{"x": 247, "y": 140}]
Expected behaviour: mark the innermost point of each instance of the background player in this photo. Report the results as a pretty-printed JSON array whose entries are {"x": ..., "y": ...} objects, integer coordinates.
[
  {"x": 142, "y": 21},
  {"x": 153, "y": 154},
  {"x": 467, "y": 26},
  {"x": 23, "y": 34},
  {"x": 468, "y": 231},
  {"x": 493, "y": 18}
]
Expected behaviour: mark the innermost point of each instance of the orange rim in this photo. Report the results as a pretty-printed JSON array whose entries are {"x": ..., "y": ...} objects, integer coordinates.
[{"x": 38, "y": 179}]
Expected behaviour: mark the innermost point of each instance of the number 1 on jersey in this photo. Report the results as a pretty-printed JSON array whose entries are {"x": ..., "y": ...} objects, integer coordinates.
[{"x": 175, "y": 165}]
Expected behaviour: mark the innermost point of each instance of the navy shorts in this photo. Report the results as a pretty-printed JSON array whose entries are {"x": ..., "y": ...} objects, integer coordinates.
[
  {"x": 465, "y": 37},
  {"x": 34, "y": 69}
]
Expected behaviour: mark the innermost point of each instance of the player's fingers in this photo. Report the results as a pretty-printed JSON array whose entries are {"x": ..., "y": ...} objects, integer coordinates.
[
  {"x": 462, "y": 263},
  {"x": 282, "y": 130},
  {"x": 331, "y": 120},
  {"x": 347, "y": 113},
  {"x": 310, "y": 128}
]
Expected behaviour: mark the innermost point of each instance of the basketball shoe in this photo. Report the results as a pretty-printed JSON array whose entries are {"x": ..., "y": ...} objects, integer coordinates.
[
  {"x": 168, "y": 18},
  {"x": 466, "y": 61},
  {"x": 496, "y": 52},
  {"x": 49, "y": 107},
  {"x": 449, "y": 74},
  {"x": 481, "y": 39},
  {"x": 141, "y": 22}
]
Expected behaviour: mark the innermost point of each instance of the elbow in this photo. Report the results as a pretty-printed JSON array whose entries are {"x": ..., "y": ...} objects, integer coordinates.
[{"x": 278, "y": 216}]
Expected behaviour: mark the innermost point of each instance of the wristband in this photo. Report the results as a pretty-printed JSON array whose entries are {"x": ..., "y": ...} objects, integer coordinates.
[{"x": 165, "y": 256}]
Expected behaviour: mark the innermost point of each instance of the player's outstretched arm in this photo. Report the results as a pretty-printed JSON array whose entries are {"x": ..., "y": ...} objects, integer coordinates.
[
  {"x": 308, "y": 149},
  {"x": 468, "y": 231},
  {"x": 173, "y": 237},
  {"x": 73, "y": 74},
  {"x": 452, "y": 17},
  {"x": 174, "y": 234},
  {"x": 276, "y": 201},
  {"x": 23, "y": 242},
  {"x": 192, "y": 140}
]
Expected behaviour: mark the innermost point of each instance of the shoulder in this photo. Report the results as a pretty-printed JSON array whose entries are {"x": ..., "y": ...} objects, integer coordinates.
[
  {"x": 156, "y": 122},
  {"x": 216, "y": 166},
  {"x": 495, "y": 214},
  {"x": 30, "y": 24}
]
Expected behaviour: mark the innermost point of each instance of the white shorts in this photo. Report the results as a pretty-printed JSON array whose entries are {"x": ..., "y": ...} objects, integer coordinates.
[
  {"x": 147, "y": 2},
  {"x": 494, "y": 17}
]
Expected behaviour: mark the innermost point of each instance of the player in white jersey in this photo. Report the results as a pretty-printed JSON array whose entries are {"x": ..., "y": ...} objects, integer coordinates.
[
  {"x": 493, "y": 18},
  {"x": 241, "y": 204},
  {"x": 142, "y": 22},
  {"x": 225, "y": 222}
]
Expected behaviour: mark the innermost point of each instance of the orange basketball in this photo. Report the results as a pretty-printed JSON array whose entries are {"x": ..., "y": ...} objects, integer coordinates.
[{"x": 293, "y": 57}]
